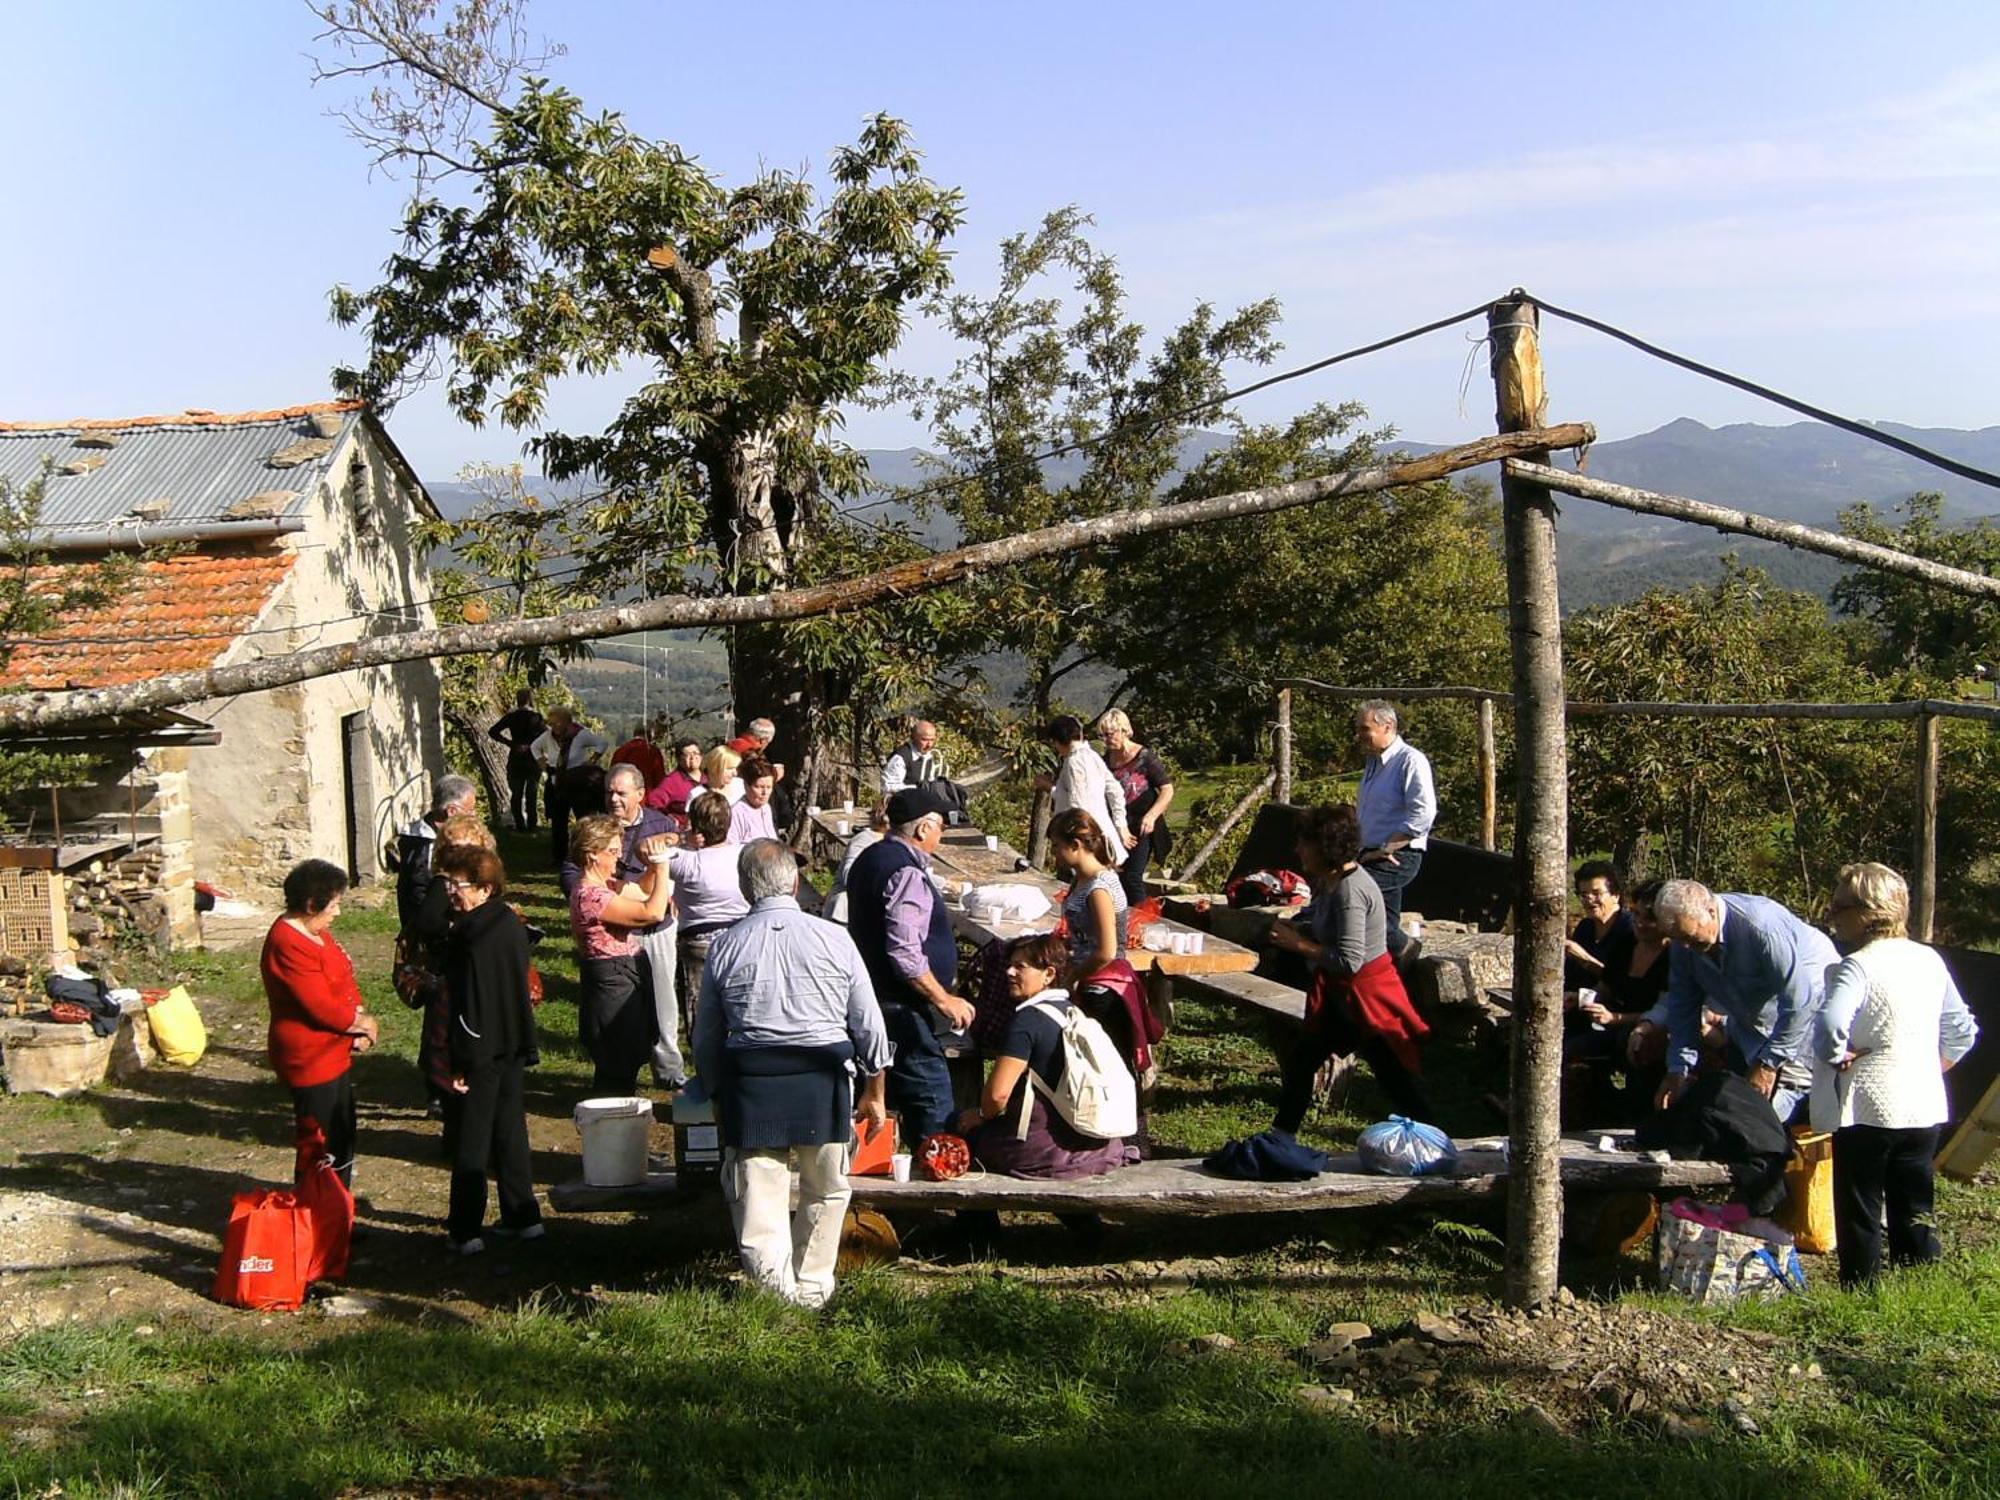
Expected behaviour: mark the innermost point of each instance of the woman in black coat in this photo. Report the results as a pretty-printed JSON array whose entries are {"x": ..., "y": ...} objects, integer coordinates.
[{"x": 491, "y": 1043}]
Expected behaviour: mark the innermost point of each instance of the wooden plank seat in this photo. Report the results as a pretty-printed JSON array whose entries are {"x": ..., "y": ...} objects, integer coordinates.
[
  {"x": 1184, "y": 1188},
  {"x": 1250, "y": 991}
]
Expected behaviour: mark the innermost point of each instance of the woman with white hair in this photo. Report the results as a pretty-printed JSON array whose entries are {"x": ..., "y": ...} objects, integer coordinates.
[
  {"x": 1893, "y": 1023},
  {"x": 1149, "y": 791}
]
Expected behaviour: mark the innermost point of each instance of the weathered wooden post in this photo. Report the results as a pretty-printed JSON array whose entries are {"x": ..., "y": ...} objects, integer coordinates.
[
  {"x": 1282, "y": 747},
  {"x": 1489, "y": 772},
  {"x": 1541, "y": 824},
  {"x": 1923, "y": 861}
]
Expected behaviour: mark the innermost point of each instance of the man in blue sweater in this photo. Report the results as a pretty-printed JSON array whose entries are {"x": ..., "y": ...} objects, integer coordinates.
[{"x": 1762, "y": 968}]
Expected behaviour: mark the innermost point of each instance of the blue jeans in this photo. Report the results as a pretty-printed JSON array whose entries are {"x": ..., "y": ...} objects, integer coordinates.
[
  {"x": 1392, "y": 879},
  {"x": 919, "y": 1080}
]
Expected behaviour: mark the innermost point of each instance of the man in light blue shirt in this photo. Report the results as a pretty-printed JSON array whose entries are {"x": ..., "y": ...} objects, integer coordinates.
[
  {"x": 1762, "y": 968},
  {"x": 1397, "y": 804},
  {"x": 786, "y": 1020}
]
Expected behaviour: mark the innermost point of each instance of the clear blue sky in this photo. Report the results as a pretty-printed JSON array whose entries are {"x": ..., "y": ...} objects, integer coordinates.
[{"x": 1803, "y": 192}]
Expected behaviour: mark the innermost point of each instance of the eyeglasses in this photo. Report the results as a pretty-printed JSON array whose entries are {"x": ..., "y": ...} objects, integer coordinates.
[
  {"x": 1840, "y": 904},
  {"x": 453, "y": 883}
]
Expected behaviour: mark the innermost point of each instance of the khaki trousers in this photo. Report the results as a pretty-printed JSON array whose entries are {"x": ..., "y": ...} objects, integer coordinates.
[{"x": 788, "y": 1252}]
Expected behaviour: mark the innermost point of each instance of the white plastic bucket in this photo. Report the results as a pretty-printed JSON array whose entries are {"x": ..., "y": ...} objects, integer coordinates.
[{"x": 615, "y": 1135}]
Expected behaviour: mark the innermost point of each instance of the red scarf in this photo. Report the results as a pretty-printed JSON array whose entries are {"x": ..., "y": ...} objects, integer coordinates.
[{"x": 1375, "y": 998}]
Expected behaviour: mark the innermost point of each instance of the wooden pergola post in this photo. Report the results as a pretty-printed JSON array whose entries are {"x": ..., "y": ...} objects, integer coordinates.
[
  {"x": 1489, "y": 776},
  {"x": 1541, "y": 834},
  {"x": 1923, "y": 860},
  {"x": 1282, "y": 748}
]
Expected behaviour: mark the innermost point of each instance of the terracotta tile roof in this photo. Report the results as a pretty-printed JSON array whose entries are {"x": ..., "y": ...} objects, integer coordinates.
[
  {"x": 193, "y": 416},
  {"x": 179, "y": 615}
]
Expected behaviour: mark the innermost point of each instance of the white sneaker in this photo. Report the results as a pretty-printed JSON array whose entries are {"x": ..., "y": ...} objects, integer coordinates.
[
  {"x": 532, "y": 1231},
  {"x": 473, "y": 1246}
]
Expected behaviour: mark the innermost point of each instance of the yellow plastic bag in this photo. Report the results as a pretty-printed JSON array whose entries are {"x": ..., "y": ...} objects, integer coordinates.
[
  {"x": 1808, "y": 1206},
  {"x": 177, "y": 1030}
]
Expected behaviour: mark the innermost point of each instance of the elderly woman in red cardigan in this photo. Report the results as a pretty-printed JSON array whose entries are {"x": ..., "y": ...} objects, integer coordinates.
[{"x": 317, "y": 1019}]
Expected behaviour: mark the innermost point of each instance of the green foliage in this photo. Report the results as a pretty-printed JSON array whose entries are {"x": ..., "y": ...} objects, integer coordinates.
[
  {"x": 1036, "y": 370},
  {"x": 1771, "y": 806},
  {"x": 1919, "y": 626},
  {"x": 1360, "y": 591}
]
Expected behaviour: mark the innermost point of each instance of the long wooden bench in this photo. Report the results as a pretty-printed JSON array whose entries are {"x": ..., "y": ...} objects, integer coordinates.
[{"x": 1184, "y": 1188}]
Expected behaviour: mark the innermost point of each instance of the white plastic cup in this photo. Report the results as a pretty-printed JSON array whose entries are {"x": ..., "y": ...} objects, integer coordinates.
[
  {"x": 1195, "y": 942},
  {"x": 847, "y": 806},
  {"x": 841, "y": 828},
  {"x": 992, "y": 843},
  {"x": 899, "y": 1166},
  {"x": 813, "y": 811}
]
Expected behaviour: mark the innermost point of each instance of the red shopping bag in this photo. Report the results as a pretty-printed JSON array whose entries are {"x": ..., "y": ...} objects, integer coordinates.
[
  {"x": 328, "y": 1202},
  {"x": 266, "y": 1252}
]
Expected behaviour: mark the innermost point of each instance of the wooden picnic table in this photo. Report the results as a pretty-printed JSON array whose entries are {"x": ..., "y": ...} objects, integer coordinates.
[{"x": 964, "y": 856}]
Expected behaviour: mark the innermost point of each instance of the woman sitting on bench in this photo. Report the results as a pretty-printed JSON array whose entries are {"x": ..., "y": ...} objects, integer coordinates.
[
  {"x": 1356, "y": 1003},
  {"x": 1036, "y": 967}
]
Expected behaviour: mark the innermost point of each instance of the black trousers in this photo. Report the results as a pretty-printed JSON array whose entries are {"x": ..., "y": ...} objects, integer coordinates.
[
  {"x": 615, "y": 1022},
  {"x": 522, "y": 778},
  {"x": 1875, "y": 1168},
  {"x": 1337, "y": 1034},
  {"x": 1132, "y": 874},
  {"x": 331, "y": 1104},
  {"x": 492, "y": 1132}
]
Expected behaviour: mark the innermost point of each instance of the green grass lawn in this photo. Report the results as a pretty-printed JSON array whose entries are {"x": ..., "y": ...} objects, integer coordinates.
[{"x": 1049, "y": 1368}]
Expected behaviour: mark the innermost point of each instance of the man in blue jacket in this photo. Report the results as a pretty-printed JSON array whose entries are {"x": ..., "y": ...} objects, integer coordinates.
[
  {"x": 1762, "y": 968},
  {"x": 898, "y": 921}
]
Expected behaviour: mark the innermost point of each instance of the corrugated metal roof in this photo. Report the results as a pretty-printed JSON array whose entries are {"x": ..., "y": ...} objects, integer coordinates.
[{"x": 191, "y": 468}]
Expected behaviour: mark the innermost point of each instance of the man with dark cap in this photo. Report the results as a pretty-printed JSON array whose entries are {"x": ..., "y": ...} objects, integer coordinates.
[{"x": 898, "y": 921}]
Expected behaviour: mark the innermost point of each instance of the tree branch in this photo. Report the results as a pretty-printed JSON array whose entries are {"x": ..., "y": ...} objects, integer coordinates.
[{"x": 920, "y": 575}]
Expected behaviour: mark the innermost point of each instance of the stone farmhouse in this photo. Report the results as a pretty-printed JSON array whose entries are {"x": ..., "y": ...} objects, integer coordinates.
[{"x": 288, "y": 530}]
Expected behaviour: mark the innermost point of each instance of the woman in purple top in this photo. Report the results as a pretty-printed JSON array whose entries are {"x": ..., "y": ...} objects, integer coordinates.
[
  {"x": 1149, "y": 791},
  {"x": 707, "y": 894},
  {"x": 615, "y": 1010}
]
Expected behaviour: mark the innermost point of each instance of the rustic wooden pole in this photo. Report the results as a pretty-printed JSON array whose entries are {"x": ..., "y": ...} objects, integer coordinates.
[
  {"x": 1489, "y": 778},
  {"x": 1236, "y": 815},
  {"x": 919, "y": 575},
  {"x": 1282, "y": 789},
  {"x": 1748, "y": 523},
  {"x": 1923, "y": 888},
  {"x": 1541, "y": 832}
]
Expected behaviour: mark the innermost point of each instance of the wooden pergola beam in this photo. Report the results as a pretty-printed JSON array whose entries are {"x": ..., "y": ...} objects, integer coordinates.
[
  {"x": 1914, "y": 708},
  {"x": 682, "y": 611},
  {"x": 1749, "y": 523}
]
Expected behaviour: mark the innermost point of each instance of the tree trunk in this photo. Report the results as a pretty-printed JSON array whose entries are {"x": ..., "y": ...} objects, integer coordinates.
[
  {"x": 482, "y": 756},
  {"x": 1541, "y": 837}
]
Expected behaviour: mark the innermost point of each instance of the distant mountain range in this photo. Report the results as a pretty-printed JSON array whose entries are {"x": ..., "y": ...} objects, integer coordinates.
[{"x": 1806, "y": 472}]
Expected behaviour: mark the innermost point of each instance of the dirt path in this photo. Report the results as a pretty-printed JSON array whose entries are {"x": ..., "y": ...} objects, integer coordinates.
[{"x": 114, "y": 1201}]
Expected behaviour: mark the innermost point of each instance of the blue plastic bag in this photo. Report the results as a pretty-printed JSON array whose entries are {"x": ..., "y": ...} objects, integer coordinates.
[{"x": 1400, "y": 1147}]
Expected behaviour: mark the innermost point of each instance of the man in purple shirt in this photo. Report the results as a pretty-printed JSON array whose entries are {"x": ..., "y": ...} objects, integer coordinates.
[{"x": 897, "y": 920}]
